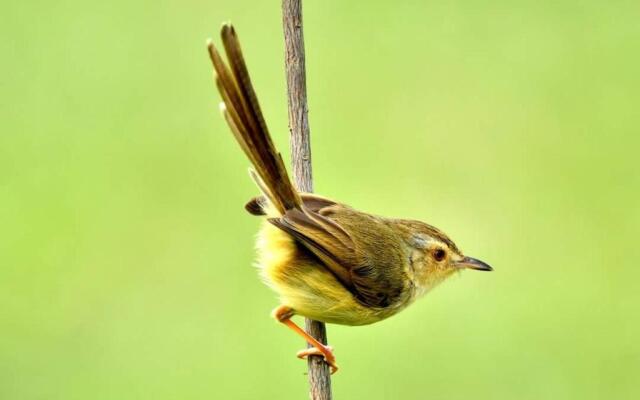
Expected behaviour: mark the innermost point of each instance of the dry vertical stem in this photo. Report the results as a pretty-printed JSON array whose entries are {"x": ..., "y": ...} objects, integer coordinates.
[{"x": 319, "y": 376}]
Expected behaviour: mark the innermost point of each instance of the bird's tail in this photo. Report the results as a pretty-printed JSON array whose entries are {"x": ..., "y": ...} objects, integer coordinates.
[{"x": 242, "y": 112}]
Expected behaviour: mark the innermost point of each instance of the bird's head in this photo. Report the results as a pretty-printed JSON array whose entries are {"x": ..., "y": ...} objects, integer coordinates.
[{"x": 433, "y": 256}]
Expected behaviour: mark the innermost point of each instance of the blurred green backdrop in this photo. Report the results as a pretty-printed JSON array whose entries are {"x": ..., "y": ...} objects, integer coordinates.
[{"x": 126, "y": 257}]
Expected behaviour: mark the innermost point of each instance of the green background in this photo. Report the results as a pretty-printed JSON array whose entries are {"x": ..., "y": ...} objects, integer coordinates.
[{"x": 126, "y": 257}]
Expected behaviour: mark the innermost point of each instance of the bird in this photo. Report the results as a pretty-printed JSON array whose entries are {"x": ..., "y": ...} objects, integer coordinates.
[{"x": 326, "y": 260}]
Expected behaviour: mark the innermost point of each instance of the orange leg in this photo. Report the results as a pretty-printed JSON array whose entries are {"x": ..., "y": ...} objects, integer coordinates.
[{"x": 283, "y": 314}]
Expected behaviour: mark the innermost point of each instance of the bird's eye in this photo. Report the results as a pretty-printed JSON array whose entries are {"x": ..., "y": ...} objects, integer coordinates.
[{"x": 439, "y": 255}]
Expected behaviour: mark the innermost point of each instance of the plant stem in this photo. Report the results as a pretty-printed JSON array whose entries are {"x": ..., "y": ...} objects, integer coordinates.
[{"x": 319, "y": 376}]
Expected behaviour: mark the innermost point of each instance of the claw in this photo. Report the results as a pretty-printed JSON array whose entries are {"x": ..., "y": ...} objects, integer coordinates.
[{"x": 326, "y": 352}]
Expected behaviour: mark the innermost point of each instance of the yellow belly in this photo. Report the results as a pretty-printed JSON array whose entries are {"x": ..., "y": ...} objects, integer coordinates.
[{"x": 306, "y": 286}]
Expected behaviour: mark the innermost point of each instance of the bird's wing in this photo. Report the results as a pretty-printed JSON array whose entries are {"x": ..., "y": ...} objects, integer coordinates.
[
  {"x": 324, "y": 238},
  {"x": 373, "y": 282}
]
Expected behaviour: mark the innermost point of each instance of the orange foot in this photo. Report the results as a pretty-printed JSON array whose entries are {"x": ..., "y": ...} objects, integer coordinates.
[
  {"x": 325, "y": 351},
  {"x": 284, "y": 314}
]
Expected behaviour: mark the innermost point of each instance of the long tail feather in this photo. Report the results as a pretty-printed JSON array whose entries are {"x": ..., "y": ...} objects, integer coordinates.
[{"x": 242, "y": 112}]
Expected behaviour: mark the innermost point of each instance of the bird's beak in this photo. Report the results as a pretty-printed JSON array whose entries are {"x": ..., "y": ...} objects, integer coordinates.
[{"x": 473, "y": 263}]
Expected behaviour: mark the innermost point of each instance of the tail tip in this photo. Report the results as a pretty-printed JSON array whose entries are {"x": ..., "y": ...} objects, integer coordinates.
[{"x": 227, "y": 25}]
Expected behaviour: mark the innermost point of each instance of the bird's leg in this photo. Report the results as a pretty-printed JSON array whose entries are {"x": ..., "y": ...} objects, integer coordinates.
[{"x": 283, "y": 314}]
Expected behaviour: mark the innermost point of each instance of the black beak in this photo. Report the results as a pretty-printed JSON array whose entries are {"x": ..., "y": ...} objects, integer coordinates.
[{"x": 473, "y": 263}]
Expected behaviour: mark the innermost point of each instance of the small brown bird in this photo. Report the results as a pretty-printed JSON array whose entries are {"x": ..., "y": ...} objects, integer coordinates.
[{"x": 326, "y": 260}]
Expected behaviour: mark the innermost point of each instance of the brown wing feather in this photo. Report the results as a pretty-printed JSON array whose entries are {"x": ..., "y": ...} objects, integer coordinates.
[
  {"x": 335, "y": 238},
  {"x": 335, "y": 252}
]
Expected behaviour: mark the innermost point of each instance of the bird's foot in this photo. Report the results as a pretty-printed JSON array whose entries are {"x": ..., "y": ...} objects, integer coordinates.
[{"x": 325, "y": 351}]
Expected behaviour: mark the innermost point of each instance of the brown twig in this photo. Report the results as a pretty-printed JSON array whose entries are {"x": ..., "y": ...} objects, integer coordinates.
[{"x": 319, "y": 376}]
